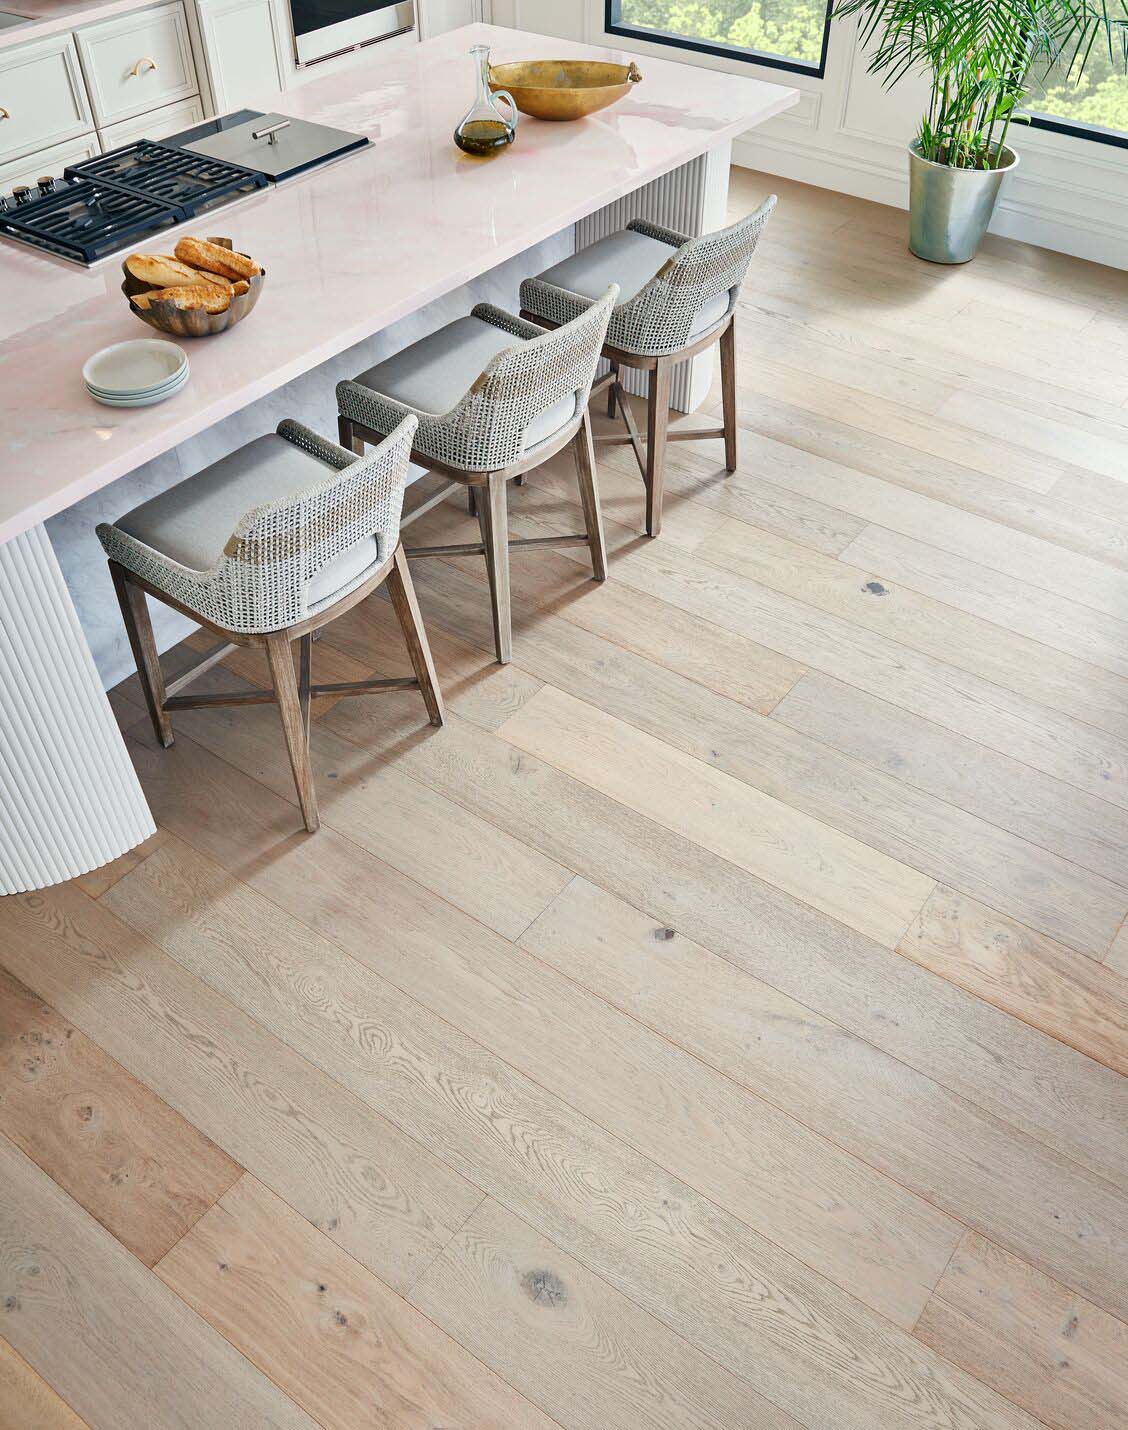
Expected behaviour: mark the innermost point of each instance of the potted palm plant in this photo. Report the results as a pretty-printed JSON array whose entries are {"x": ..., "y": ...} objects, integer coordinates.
[{"x": 980, "y": 57}]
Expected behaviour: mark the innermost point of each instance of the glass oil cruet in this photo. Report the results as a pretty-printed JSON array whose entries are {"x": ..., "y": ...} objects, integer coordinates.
[{"x": 484, "y": 129}]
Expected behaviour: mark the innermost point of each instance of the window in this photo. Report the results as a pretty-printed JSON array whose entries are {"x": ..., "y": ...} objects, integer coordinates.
[
  {"x": 1097, "y": 108},
  {"x": 786, "y": 34}
]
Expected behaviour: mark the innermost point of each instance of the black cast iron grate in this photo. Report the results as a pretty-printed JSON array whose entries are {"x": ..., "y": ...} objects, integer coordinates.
[{"x": 103, "y": 204}]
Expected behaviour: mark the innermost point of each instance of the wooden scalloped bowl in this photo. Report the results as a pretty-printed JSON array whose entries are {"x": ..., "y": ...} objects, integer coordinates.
[
  {"x": 564, "y": 89},
  {"x": 192, "y": 322}
]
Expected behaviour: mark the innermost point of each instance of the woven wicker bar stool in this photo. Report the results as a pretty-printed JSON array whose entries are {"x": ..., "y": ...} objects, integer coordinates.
[
  {"x": 265, "y": 547},
  {"x": 495, "y": 396},
  {"x": 677, "y": 297}
]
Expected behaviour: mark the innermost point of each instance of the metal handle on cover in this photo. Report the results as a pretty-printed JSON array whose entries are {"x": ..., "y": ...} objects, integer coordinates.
[
  {"x": 269, "y": 131},
  {"x": 137, "y": 71},
  {"x": 4, "y": 113}
]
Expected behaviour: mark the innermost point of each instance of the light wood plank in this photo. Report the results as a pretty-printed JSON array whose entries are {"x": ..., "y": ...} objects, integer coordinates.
[
  {"x": 339, "y": 1342},
  {"x": 590, "y": 1356},
  {"x": 344, "y": 1167},
  {"x": 1045, "y": 434},
  {"x": 1046, "y": 616},
  {"x": 375, "y": 804},
  {"x": 842, "y": 877},
  {"x": 118, "y": 1346},
  {"x": 915, "y": 827},
  {"x": 1059, "y": 1356},
  {"x": 1059, "y": 745},
  {"x": 718, "y": 659},
  {"x": 1052, "y": 678},
  {"x": 135, "y": 1165},
  {"x": 1118, "y": 952},
  {"x": 829, "y": 1210},
  {"x": 27, "y": 1402},
  {"x": 1025, "y": 974},
  {"x": 804, "y": 1063},
  {"x": 1020, "y": 532},
  {"x": 961, "y": 448},
  {"x": 958, "y": 1039},
  {"x": 1088, "y": 831},
  {"x": 99, "y": 880},
  {"x": 853, "y": 291},
  {"x": 602, "y": 1201},
  {"x": 979, "y": 1048},
  {"x": 478, "y": 689},
  {"x": 696, "y": 479},
  {"x": 865, "y": 334}
]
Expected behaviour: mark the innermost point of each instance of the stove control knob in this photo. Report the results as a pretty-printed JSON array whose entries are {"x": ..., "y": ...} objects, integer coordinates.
[{"x": 21, "y": 193}]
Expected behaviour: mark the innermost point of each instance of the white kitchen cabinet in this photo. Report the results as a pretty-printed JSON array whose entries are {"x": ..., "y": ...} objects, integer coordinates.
[
  {"x": 244, "y": 51},
  {"x": 46, "y": 161},
  {"x": 138, "y": 62},
  {"x": 42, "y": 98},
  {"x": 435, "y": 17},
  {"x": 157, "y": 124}
]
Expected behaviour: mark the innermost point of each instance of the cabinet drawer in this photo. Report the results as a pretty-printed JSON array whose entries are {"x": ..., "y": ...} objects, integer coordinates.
[
  {"x": 137, "y": 62},
  {"x": 46, "y": 161},
  {"x": 244, "y": 51},
  {"x": 157, "y": 124},
  {"x": 42, "y": 97}
]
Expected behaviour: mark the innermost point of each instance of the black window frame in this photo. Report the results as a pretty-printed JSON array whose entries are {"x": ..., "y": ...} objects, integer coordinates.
[
  {"x": 1054, "y": 125},
  {"x": 613, "y": 26},
  {"x": 1034, "y": 120}
]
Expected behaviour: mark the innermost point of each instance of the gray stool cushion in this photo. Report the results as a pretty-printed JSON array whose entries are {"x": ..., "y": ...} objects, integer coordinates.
[
  {"x": 192, "y": 522},
  {"x": 631, "y": 260},
  {"x": 433, "y": 374}
]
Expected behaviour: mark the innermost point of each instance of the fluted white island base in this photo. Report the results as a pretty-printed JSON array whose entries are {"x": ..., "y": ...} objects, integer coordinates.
[{"x": 69, "y": 797}]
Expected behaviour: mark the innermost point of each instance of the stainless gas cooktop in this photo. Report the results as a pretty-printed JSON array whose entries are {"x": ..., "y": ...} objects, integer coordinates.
[{"x": 114, "y": 201}]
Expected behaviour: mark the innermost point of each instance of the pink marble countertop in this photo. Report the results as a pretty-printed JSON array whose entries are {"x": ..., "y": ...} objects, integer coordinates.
[
  {"x": 348, "y": 249},
  {"x": 47, "y": 17}
]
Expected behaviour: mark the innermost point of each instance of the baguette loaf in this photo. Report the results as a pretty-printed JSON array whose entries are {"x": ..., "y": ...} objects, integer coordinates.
[
  {"x": 202, "y": 254},
  {"x": 185, "y": 296},
  {"x": 160, "y": 270}
]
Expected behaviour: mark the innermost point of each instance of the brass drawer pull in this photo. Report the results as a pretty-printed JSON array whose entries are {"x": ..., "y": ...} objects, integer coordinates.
[
  {"x": 4, "y": 113},
  {"x": 139, "y": 68}
]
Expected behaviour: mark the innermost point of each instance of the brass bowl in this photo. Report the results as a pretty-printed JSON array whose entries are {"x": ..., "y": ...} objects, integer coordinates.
[
  {"x": 564, "y": 89},
  {"x": 166, "y": 317}
]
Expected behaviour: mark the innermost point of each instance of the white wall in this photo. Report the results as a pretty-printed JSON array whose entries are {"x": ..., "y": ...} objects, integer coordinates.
[{"x": 849, "y": 134}]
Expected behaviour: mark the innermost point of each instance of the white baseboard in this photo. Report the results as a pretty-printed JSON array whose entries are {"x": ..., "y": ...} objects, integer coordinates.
[{"x": 1063, "y": 220}]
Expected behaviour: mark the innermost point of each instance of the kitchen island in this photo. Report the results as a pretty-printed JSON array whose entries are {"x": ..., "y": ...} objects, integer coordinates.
[{"x": 361, "y": 257}]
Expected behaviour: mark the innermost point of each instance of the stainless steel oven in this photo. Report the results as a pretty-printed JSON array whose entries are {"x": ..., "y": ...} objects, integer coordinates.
[{"x": 324, "y": 28}]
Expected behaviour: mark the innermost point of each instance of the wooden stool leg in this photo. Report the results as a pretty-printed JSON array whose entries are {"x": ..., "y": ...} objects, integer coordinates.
[
  {"x": 494, "y": 522},
  {"x": 401, "y": 589},
  {"x": 584, "y": 452},
  {"x": 728, "y": 392},
  {"x": 139, "y": 629},
  {"x": 347, "y": 437},
  {"x": 611, "y": 389},
  {"x": 657, "y": 423},
  {"x": 472, "y": 501},
  {"x": 305, "y": 662},
  {"x": 293, "y": 725}
]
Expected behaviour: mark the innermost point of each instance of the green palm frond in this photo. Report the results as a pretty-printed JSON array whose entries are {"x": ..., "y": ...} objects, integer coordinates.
[{"x": 980, "y": 55}]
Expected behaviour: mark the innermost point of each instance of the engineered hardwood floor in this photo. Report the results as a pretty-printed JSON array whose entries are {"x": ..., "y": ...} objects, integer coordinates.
[{"x": 722, "y": 1021}]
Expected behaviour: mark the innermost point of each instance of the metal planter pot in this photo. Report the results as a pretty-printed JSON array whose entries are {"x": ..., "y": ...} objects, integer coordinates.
[{"x": 949, "y": 209}]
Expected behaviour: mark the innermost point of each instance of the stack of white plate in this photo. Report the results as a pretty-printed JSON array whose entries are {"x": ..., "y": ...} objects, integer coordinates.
[{"x": 137, "y": 373}]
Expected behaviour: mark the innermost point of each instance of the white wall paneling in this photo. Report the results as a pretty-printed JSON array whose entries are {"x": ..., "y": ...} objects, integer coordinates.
[
  {"x": 69, "y": 797},
  {"x": 849, "y": 133}
]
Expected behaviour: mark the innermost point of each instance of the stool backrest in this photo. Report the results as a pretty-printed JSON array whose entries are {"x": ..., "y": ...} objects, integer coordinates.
[
  {"x": 486, "y": 430},
  {"x": 660, "y": 316},
  {"x": 276, "y": 549}
]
